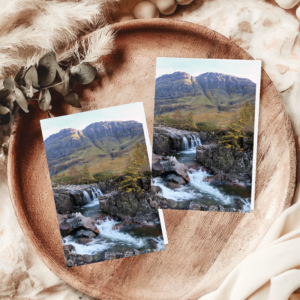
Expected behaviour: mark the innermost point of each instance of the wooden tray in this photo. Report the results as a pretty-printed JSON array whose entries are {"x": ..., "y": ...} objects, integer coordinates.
[{"x": 203, "y": 246}]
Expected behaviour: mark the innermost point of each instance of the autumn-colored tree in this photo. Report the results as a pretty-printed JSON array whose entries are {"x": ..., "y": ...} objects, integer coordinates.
[
  {"x": 190, "y": 120},
  {"x": 86, "y": 175},
  {"x": 237, "y": 128},
  {"x": 133, "y": 170},
  {"x": 178, "y": 117}
]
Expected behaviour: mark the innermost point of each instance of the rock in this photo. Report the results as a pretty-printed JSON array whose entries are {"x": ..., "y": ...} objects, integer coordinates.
[
  {"x": 85, "y": 233},
  {"x": 156, "y": 158},
  {"x": 98, "y": 257},
  {"x": 102, "y": 186},
  {"x": 155, "y": 189},
  {"x": 176, "y": 179},
  {"x": 166, "y": 7},
  {"x": 228, "y": 164},
  {"x": 157, "y": 169},
  {"x": 172, "y": 203},
  {"x": 70, "y": 263},
  {"x": 84, "y": 241},
  {"x": 128, "y": 253},
  {"x": 216, "y": 208},
  {"x": 67, "y": 249},
  {"x": 153, "y": 244},
  {"x": 196, "y": 206},
  {"x": 81, "y": 222},
  {"x": 173, "y": 166},
  {"x": 65, "y": 228},
  {"x": 173, "y": 186},
  {"x": 136, "y": 252},
  {"x": 132, "y": 206},
  {"x": 110, "y": 256},
  {"x": 63, "y": 202},
  {"x": 87, "y": 258},
  {"x": 61, "y": 218},
  {"x": 146, "y": 251}
]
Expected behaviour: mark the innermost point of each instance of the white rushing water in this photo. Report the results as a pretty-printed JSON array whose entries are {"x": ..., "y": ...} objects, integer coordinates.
[
  {"x": 87, "y": 197},
  {"x": 90, "y": 248},
  {"x": 96, "y": 192},
  {"x": 197, "y": 177},
  {"x": 106, "y": 230},
  {"x": 109, "y": 238},
  {"x": 185, "y": 143}
]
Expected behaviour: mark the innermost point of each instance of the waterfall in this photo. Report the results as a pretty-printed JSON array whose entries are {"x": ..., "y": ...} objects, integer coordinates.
[
  {"x": 197, "y": 140},
  {"x": 185, "y": 143},
  {"x": 96, "y": 192},
  {"x": 87, "y": 197},
  {"x": 192, "y": 142}
]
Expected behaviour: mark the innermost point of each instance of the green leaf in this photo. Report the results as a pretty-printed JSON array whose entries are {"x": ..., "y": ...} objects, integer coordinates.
[
  {"x": 47, "y": 69},
  {"x": 9, "y": 84},
  {"x": 31, "y": 77},
  {"x": 21, "y": 100},
  {"x": 4, "y": 115},
  {"x": 64, "y": 87},
  {"x": 73, "y": 100},
  {"x": 84, "y": 73},
  {"x": 45, "y": 100}
]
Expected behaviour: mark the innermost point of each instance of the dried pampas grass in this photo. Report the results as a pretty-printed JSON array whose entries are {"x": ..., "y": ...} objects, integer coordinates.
[{"x": 30, "y": 28}]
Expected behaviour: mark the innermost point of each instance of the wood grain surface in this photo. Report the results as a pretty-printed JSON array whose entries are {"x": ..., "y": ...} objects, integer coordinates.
[{"x": 203, "y": 246}]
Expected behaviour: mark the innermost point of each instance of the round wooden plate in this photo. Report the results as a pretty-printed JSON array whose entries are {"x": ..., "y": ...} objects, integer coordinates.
[{"x": 203, "y": 246}]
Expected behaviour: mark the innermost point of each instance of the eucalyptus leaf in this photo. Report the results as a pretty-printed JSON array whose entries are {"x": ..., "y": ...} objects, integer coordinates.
[
  {"x": 84, "y": 73},
  {"x": 3, "y": 110},
  {"x": 45, "y": 100},
  {"x": 3, "y": 94},
  {"x": 19, "y": 75},
  {"x": 47, "y": 69},
  {"x": 31, "y": 77},
  {"x": 10, "y": 100},
  {"x": 21, "y": 100},
  {"x": 4, "y": 115},
  {"x": 8, "y": 84},
  {"x": 73, "y": 99},
  {"x": 64, "y": 87}
]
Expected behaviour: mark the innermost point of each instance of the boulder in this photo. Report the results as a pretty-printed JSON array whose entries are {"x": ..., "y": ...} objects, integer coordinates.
[
  {"x": 172, "y": 203},
  {"x": 63, "y": 202},
  {"x": 87, "y": 258},
  {"x": 229, "y": 164},
  {"x": 110, "y": 256},
  {"x": 157, "y": 169},
  {"x": 81, "y": 222},
  {"x": 84, "y": 241},
  {"x": 128, "y": 253},
  {"x": 176, "y": 179},
  {"x": 156, "y": 158},
  {"x": 65, "y": 228},
  {"x": 68, "y": 249},
  {"x": 132, "y": 206},
  {"x": 85, "y": 233},
  {"x": 196, "y": 206},
  {"x": 173, "y": 186},
  {"x": 155, "y": 189},
  {"x": 173, "y": 166}
]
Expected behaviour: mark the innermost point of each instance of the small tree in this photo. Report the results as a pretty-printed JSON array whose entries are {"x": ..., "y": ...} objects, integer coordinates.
[
  {"x": 86, "y": 175},
  {"x": 190, "y": 120},
  {"x": 133, "y": 171},
  {"x": 236, "y": 129}
]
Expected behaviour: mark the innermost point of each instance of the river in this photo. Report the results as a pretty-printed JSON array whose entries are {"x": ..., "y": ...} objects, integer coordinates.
[
  {"x": 110, "y": 239},
  {"x": 200, "y": 191}
]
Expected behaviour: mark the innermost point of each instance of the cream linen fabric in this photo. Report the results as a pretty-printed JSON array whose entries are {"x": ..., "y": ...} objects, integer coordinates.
[{"x": 268, "y": 33}]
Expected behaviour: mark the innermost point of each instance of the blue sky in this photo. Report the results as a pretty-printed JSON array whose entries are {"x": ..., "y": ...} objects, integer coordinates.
[
  {"x": 79, "y": 121},
  {"x": 194, "y": 66}
]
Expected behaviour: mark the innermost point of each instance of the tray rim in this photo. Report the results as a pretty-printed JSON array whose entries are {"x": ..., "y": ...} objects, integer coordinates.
[{"x": 132, "y": 25}]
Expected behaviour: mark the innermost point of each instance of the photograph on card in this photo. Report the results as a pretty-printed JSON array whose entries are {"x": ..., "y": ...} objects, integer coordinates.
[
  {"x": 205, "y": 134},
  {"x": 100, "y": 174}
]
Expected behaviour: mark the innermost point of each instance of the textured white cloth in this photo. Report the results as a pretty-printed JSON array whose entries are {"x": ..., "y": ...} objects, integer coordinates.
[{"x": 268, "y": 33}]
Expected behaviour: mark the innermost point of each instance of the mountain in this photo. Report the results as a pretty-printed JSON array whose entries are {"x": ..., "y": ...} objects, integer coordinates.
[
  {"x": 97, "y": 143},
  {"x": 210, "y": 90}
]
